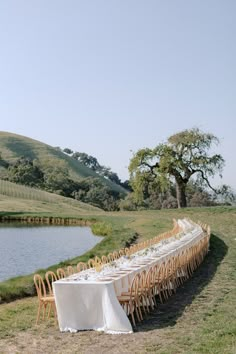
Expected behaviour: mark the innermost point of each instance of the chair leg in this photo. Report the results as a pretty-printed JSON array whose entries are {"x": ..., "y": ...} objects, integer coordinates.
[
  {"x": 38, "y": 313},
  {"x": 44, "y": 310},
  {"x": 49, "y": 310},
  {"x": 131, "y": 307}
]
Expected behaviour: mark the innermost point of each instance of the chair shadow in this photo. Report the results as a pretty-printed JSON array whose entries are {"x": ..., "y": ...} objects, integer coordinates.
[{"x": 167, "y": 314}]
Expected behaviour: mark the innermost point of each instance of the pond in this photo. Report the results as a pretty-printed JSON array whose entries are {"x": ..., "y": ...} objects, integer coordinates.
[{"x": 24, "y": 249}]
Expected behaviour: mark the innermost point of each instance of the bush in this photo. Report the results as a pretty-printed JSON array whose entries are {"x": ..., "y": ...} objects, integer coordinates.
[
  {"x": 101, "y": 229},
  {"x": 170, "y": 203}
]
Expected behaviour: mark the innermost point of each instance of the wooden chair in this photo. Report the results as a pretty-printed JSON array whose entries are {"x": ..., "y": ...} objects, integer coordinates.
[
  {"x": 160, "y": 281},
  {"x": 169, "y": 277},
  {"x": 44, "y": 299},
  {"x": 130, "y": 300},
  {"x": 104, "y": 259},
  {"x": 91, "y": 263},
  {"x": 50, "y": 278},
  {"x": 97, "y": 260},
  {"x": 149, "y": 287},
  {"x": 127, "y": 251},
  {"x": 61, "y": 273},
  {"x": 110, "y": 257},
  {"x": 115, "y": 255},
  {"x": 81, "y": 266},
  {"x": 70, "y": 270},
  {"x": 143, "y": 292},
  {"x": 121, "y": 252}
]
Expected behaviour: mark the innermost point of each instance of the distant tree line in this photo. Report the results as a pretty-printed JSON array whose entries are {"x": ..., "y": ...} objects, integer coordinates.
[{"x": 93, "y": 164}]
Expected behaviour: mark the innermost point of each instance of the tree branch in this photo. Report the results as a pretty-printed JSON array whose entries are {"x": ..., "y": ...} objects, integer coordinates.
[
  {"x": 151, "y": 167},
  {"x": 206, "y": 180}
]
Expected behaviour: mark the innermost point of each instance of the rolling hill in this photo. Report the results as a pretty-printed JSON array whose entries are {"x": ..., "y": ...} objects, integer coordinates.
[{"x": 13, "y": 146}]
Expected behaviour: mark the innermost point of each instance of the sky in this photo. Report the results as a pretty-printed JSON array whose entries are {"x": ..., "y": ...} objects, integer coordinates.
[{"x": 109, "y": 77}]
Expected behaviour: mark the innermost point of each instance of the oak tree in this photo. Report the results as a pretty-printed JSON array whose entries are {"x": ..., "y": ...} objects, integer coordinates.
[{"x": 185, "y": 154}]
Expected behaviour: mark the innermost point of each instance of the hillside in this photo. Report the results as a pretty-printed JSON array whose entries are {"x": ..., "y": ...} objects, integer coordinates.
[
  {"x": 14, "y": 197},
  {"x": 13, "y": 146}
]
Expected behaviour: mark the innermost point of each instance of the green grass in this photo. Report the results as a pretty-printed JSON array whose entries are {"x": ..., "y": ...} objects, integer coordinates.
[
  {"x": 199, "y": 318},
  {"x": 13, "y": 146}
]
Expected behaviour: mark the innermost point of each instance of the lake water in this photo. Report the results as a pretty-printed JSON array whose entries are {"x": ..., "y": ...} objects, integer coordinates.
[{"x": 24, "y": 249}]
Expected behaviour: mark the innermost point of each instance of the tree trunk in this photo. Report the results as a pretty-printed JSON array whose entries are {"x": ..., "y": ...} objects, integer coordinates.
[{"x": 180, "y": 194}]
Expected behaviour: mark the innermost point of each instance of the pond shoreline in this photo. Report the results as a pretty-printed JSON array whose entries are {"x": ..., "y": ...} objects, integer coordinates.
[{"x": 46, "y": 220}]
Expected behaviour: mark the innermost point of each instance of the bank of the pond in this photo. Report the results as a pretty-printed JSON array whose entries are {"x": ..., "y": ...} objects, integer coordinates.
[
  {"x": 46, "y": 220},
  {"x": 116, "y": 235}
]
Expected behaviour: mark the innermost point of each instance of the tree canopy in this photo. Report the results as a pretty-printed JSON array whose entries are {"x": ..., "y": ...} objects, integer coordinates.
[{"x": 185, "y": 154}]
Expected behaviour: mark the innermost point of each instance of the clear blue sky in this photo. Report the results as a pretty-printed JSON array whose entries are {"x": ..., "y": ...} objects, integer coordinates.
[{"x": 107, "y": 77}]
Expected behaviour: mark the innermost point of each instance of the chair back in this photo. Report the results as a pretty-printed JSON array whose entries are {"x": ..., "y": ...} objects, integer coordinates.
[
  {"x": 91, "y": 263},
  {"x": 142, "y": 281},
  {"x": 127, "y": 251},
  {"x": 40, "y": 286},
  {"x": 50, "y": 278},
  {"x": 70, "y": 270},
  {"x": 115, "y": 255},
  {"x": 61, "y": 273},
  {"x": 104, "y": 259},
  {"x": 97, "y": 260},
  {"x": 134, "y": 288},
  {"x": 110, "y": 257},
  {"x": 121, "y": 252},
  {"x": 81, "y": 266}
]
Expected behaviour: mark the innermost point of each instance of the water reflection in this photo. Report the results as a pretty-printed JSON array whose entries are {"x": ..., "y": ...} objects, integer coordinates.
[{"x": 24, "y": 249}]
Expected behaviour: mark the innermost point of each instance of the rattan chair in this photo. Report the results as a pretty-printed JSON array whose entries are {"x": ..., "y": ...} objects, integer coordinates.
[
  {"x": 91, "y": 263},
  {"x": 130, "y": 301},
  {"x": 104, "y": 259},
  {"x": 81, "y": 266},
  {"x": 127, "y": 251},
  {"x": 50, "y": 278},
  {"x": 44, "y": 299},
  {"x": 115, "y": 255},
  {"x": 149, "y": 288},
  {"x": 61, "y": 273},
  {"x": 97, "y": 260},
  {"x": 160, "y": 288},
  {"x": 70, "y": 270},
  {"x": 121, "y": 252},
  {"x": 110, "y": 257}
]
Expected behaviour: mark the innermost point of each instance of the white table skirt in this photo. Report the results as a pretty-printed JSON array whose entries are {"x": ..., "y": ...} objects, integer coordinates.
[{"x": 83, "y": 306}]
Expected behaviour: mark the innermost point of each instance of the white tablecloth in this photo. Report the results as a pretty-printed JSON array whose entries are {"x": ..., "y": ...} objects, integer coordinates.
[
  {"x": 90, "y": 305},
  {"x": 87, "y": 301}
]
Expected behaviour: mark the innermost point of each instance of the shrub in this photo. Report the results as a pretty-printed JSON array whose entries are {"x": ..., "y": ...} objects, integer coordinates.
[{"x": 101, "y": 229}]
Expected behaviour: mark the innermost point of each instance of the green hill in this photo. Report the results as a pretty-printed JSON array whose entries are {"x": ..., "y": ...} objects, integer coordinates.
[{"x": 13, "y": 146}]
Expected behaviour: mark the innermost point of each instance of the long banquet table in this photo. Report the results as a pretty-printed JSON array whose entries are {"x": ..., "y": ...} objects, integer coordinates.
[{"x": 88, "y": 300}]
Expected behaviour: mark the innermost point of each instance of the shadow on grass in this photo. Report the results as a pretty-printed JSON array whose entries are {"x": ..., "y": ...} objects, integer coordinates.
[{"x": 167, "y": 314}]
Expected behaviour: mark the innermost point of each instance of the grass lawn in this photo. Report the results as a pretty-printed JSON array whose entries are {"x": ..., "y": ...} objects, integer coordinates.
[{"x": 200, "y": 318}]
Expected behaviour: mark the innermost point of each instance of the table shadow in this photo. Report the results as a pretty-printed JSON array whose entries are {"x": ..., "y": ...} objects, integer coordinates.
[{"x": 167, "y": 314}]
